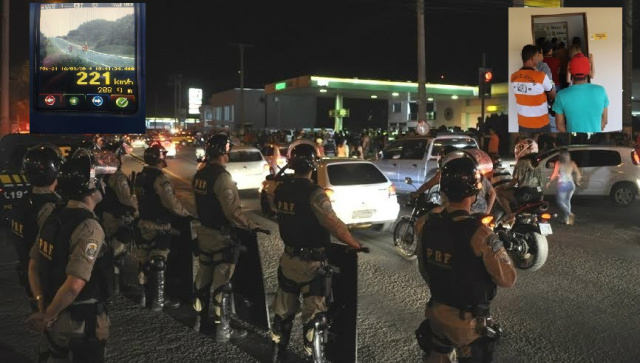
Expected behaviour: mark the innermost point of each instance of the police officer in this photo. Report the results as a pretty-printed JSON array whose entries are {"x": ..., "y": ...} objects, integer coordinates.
[
  {"x": 119, "y": 207},
  {"x": 41, "y": 165},
  {"x": 158, "y": 205},
  {"x": 218, "y": 207},
  {"x": 70, "y": 271},
  {"x": 307, "y": 221},
  {"x": 462, "y": 261}
]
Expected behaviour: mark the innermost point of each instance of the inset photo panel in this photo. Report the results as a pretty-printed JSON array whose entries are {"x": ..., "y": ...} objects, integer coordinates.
[{"x": 565, "y": 70}]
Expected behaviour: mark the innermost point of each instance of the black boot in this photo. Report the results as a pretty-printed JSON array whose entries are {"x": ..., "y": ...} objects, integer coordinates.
[
  {"x": 204, "y": 322},
  {"x": 224, "y": 331},
  {"x": 158, "y": 266},
  {"x": 144, "y": 278},
  {"x": 281, "y": 334}
]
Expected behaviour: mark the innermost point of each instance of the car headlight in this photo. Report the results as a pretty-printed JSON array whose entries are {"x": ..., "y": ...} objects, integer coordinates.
[{"x": 199, "y": 153}]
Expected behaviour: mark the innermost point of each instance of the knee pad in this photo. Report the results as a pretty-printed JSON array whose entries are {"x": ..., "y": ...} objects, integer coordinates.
[
  {"x": 158, "y": 263},
  {"x": 288, "y": 286}
]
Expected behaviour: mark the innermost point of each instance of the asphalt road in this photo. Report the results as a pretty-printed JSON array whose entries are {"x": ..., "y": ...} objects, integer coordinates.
[
  {"x": 97, "y": 58},
  {"x": 582, "y": 306}
]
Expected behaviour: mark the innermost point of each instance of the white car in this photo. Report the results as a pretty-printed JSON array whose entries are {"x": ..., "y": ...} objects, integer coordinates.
[
  {"x": 247, "y": 167},
  {"x": 138, "y": 142},
  {"x": 612, "y": 171},
  {"x": 167, "y": 144},
  {"x": 360, "y": 193}
]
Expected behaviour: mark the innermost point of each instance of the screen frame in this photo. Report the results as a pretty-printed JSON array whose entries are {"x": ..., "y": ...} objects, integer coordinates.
[{"x": 82, "y": 122}]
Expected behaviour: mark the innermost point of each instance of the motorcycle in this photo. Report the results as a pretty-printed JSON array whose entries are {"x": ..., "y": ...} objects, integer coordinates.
[
  {"x": 526, "y": 239},
  {"x": 404, "y": 236}
]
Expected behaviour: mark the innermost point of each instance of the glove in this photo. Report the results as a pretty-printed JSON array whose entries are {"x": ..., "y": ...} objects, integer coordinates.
[{"x": 261, "y": 230}]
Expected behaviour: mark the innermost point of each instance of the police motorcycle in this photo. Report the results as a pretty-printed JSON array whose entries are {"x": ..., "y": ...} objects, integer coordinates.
[
  {"x": 404, "y": 236},
  {"x": 526, "y": 239}
]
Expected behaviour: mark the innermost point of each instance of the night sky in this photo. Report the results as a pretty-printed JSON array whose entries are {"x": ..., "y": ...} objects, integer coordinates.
[{"x": 344, "y": 38}]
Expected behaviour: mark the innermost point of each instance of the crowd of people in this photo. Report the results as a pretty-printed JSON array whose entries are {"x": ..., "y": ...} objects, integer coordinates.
[{"x": 554, "y": 90}]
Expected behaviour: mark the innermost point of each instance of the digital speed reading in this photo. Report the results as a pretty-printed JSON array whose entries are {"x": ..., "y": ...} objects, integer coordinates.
[{"x": 95, "y": 78}]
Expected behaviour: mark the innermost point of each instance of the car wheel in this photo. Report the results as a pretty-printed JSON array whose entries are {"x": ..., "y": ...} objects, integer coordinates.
[{"x": 623, "y": 194}]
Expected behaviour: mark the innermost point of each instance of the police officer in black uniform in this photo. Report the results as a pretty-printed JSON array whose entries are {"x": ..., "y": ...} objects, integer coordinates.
[
  {"x": 219, "y": 210},
  {"x": 41, "y": 165},
  {"x": 307, "y": 221},
  {"x": 158, "y": 207},
  {"x": 71, "y": 270},
  {"x": 119, "y": 208},
  {"x": 463, "y": 262}
]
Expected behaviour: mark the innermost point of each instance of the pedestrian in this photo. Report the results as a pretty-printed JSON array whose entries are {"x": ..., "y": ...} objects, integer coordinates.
[
  {"x": 485, "y": 198},
  {"x": 532, "y": 90},
  {"x": 219, "y": 210},
  {"x": 575, "y": 50},
  {"x": 462, "y": 261},
  {"x": 553, "y": 63},
  {"x": 494, "y": 142},
  {"x": 342, "y": 151},
  {"x": 306, "y": 220},
  {"x": 119, "y": 208},
  {"x": 158, "y": 207},
  {"x": 564, "y": 170},
  {"x": 562, "y": 54},
  {"x": 320, "y": 147},
  {"x": 583, "y": 106},
  {"x": 71, "y": 270},
  {"x": 41, "y": 165}
]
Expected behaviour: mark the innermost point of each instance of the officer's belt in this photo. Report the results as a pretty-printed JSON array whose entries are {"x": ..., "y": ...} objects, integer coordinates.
[
  {"x": 89, "y": 314},
  {"x": 306, "y": 253},
  {"x": 474, "y": 310},
  {"x": 225, "y": 228}
]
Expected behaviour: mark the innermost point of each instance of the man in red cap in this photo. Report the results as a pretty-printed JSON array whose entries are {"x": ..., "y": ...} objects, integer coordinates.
[{"x": 583, "y": 106}]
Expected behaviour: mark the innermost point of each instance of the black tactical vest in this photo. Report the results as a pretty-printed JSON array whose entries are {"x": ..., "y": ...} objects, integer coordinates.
[
  {"x": 207, "y": 203},
  {"x": 457, "y": 277},
  {"x": 24, "y": 223},
  {"x": 110, "y": 202},
  {"x": 149, "y": 204},
  {"x": 299, "y": 226},
  {"x": 54, "y": 247}
]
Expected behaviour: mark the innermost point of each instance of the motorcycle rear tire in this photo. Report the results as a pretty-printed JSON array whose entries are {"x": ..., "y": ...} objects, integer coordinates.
[
  {"x": 404, "y": 226},
  {"x": 539, "y": 248}
]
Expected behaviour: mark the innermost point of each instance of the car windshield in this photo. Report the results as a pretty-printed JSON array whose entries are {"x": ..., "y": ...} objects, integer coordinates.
[
  {"x": 354, "y": 174},
  {"x": 244, "y": 156},
  {"x": 458, "y": 143}
]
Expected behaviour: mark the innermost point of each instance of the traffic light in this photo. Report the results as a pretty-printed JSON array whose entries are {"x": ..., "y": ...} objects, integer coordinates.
[{"x": 485, "y": 79}]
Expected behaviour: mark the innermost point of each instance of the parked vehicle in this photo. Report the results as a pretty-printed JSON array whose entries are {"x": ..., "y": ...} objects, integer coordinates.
[
  {"x": 415, "y": 156},
  {"x": 247, "y": 167},
  {"x": 360, "y": 193},
  {"x": 612, "y": 171}
]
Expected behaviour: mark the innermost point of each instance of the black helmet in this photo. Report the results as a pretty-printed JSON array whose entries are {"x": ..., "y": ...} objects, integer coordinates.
[
  {"x": 115, "y": 147},
  {"x": 41, "y": 164},
  {"x": 155, "y": 154},
  {"x": 88, "y": 145},
  {"x": 443, "y": 152},
  {"x": 217, "y": 145},
  {"x": 460, "y": 178},
  {"x": 303, "y": 156},
  {"x": 77, "y": 178}
]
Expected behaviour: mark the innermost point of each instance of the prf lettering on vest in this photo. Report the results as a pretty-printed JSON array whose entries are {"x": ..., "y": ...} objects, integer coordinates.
[
  {"x": 201, "y": 184},
  {"x": 46, "y": 248},
  {"x": 17, "y": 228},
  {"x": 438, "y": 256},
  {"x": 286, "y": 207}
]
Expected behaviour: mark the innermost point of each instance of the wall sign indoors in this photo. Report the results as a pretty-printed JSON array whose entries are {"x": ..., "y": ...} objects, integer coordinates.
[{"x": 87, "y": 68}]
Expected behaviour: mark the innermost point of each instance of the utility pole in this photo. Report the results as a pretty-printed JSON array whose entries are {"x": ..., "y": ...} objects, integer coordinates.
[
  {"x": 627, "y": 79},
  {"x": 422, "y": 64},
  {"x": 5, "y": 126},
  {"x": 241, "y": 47}
]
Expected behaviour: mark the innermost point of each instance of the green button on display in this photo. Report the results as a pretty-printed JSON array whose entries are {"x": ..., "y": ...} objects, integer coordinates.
[{"x": 122, "y": 102}]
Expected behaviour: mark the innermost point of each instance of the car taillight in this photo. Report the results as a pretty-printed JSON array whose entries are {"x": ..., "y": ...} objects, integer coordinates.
[
  {"x": 330, "y": 194},
  {"x": 281, "y": 161},
  {"x": 635, "y": 158},
  {"x": 545, "y": 216},
  {"x": 487, "y": 220},
  {"x": 392, "y": 191}
]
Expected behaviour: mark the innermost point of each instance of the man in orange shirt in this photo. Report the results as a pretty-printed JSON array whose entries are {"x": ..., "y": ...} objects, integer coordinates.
[{"x": 532, "y": 90}]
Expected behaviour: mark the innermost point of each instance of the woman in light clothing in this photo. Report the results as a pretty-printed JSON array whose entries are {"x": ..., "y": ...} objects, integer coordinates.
[
  {"x": 342, "y": 151},
  {"x": 564, "y": 171}
]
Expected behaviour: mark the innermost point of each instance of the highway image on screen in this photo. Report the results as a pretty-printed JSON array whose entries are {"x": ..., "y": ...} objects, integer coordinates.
[{"x": 87, "y": 36}]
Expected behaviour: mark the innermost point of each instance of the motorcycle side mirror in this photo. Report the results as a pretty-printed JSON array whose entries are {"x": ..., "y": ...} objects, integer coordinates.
[{"x": 408, "y": 180}]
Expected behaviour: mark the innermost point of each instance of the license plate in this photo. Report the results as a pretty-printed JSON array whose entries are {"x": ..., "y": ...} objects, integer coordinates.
[
  {"x": 545, "y": 228},
  {"x": 367, "y": 213}
]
